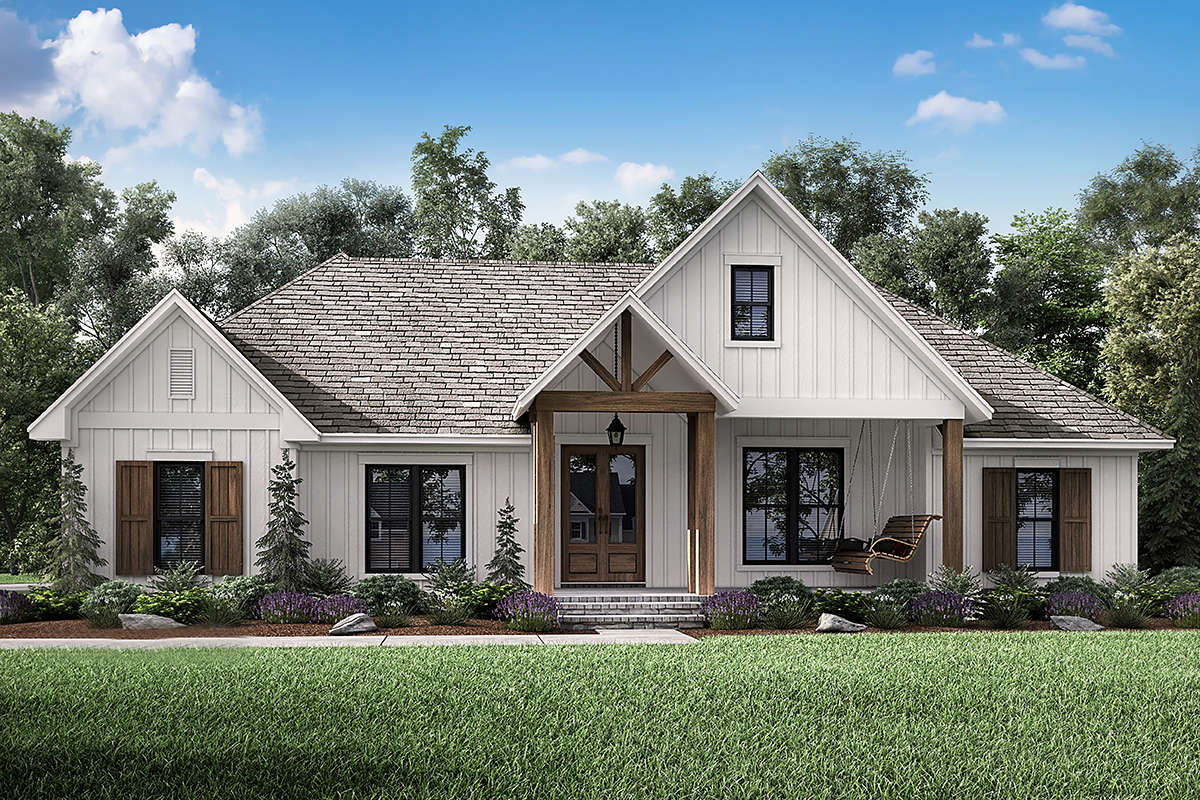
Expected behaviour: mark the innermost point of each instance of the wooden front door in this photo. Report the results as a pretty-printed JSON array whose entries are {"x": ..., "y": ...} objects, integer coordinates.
[{"x": 603, "y": 508}]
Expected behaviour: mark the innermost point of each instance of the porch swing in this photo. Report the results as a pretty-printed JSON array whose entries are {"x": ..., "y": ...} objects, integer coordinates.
[{"x": 901, "y": 535}]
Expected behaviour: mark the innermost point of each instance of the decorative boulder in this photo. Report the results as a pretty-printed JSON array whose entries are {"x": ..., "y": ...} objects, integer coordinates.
[
  {"x": 1067, "y": 623},
  {"x": 832, "y": 623},
  {"x": 355, "y": 623},
  {"x": 146, "y": 622}
]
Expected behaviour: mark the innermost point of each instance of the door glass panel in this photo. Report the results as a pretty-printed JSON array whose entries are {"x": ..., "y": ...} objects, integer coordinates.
[
  {"x": 622, "y": 492},
  {"x": 582, "y": 473}
]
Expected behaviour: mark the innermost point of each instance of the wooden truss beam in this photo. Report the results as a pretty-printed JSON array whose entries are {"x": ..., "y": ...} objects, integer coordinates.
[
  {"x": 600, "y": 370},
  {"x": 651, "y": 371},
  {"x": 651, "y": 402}
]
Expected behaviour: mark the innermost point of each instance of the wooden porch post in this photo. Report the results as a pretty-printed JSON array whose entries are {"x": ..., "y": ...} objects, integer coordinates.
[
  {"x": 691, "y": 503},
  {"x": 543, "y": 526},
  {"x": 952, "y": 493},
  {"x": 702, "y": 429}
]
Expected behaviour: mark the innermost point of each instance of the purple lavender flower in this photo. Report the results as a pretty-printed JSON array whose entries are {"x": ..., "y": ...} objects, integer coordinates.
[
  {"x": 15, "y": 607},
  {"x": 337, "y": 607},
  {"x": 1184, "y": 610},
  {"x": 288, "y": 607},
  {"x": 734, "y": 610},
  {"x": 1074, "y": 604},
  {"x": 531, "y": 612},
  {"x": 939, "y": 609}
]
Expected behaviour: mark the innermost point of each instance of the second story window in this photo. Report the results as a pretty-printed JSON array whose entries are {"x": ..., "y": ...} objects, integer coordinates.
[{"x": 753, "y": 304}]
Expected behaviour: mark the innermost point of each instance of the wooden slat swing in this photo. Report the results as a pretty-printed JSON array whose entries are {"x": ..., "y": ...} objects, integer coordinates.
[{"x": 901, "y": 535}]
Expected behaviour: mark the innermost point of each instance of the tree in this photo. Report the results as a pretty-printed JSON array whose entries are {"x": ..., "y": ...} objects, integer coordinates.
[
  {"x": 505, "y": 566},
  {"x": 1049, "y": 302},
  {"x": 48, "y": 205},
  {"x": 847, "y": 191},
  {"x": 1152, "y": 352},
  {"x": 39, "y": 359},
  {"x": 283, "y": 550},
  {"x": 77, "y": 548},
  {"x": 942, "y": 264},
  {"x": 459, "y": 213},
  {"x": 542, "y": 242},
  {"x": 674, "y": 215},
  {"x": 607, "y": 231},
  {"x": 1151, "y": 196}
]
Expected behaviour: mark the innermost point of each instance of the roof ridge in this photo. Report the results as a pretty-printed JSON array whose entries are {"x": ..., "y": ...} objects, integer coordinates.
[
  {"x": 1025, "y": 362},
  {"x": 497, "y": 261},
  {"x": 337, "y": 257}
]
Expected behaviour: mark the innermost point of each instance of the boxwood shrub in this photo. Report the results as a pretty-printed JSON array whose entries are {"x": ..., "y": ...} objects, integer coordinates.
[{"x": 189, "y": 606}]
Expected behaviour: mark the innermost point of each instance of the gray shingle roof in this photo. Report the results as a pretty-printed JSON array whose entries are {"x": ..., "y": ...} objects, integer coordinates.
[{"x": 418, "y": 346}]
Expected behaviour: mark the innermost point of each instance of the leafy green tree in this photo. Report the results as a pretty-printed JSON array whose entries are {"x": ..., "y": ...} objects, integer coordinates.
[
  {"x": 847, "y": 191},
  {"x": 39, "y": 359},
  {"x": 48, "y": 205},
  {"x": 459, "y": 213},
  {"x": 674, "y": 215},
  {"x": 505, "y": 566},
  {"x": 283, "y": 550},
  {"x": 77, "y": 548},
  {"x": 608, "y": 231},
  {"x": 1151, "y": 196},
  {"x": 943, "y": 264},
  {"x": 541, "y": 242},
  {"x": 1049, "y": 301}
]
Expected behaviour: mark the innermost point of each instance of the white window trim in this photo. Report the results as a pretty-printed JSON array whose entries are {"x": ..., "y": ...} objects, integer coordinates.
[
  {"x": 179, "y": 455},
  {"x": 739, "y": 539},
  {"x": 730, "y": 260}
]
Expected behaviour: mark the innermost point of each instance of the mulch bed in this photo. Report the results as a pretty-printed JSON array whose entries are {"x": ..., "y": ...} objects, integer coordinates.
[
  {"x": 1154, "y": 623},
  {"x": 80, "y": 629}
]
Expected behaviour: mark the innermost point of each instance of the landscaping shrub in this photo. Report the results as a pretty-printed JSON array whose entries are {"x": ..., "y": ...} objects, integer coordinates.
[
  {"x": 481, "y": 599},
  {"x": 188, "y": 606},
  {"x": 1124, "y": 577},
  {"x": 1004, "y": 609},
  {"x": 187, "y": 575},
  {"x": 283, "y": 549},
  {"x": 1127, "y": 610},
  {"x": 886, "y": 615},
  {"x": 381, "y": 592},
  {"x": 326, "y": 577},
  {"x": 244, "y": 590},
  {"x": 449, "y": 611},
  {"x": 728, "y": 611},
  {"x": 117, "y": 595},
  {"x": 788, "y": 612},
  {"x": 1078, "y": 583},
  {"x": 1184, "y": 610},
  {"x": 965, "y": 582},
  {"x": 1020, "y": 582},
  {"x": 337, "y": 607},
  {"x": 395, "y": 616},
  {"x": 766, "y": 588},
  {"x": 529, "y": 612},
  {"x": 898, "y": 592},
  {"x": 1075, "y": 604},
  {"x": 1175, "y": 575},
  {"x": 223, "y": 611},
  {"x": 447, "y": 579},
  {"x": 52, "y": 604},
  {"x": 15, "y": 607},
  {"x": 287, "y": 607},
  {"x": 506, "y": 568},
  {"x": 939, "y": 609},
  {"x": 101, "y": 616},
  {"x": 853, "y": 606}
]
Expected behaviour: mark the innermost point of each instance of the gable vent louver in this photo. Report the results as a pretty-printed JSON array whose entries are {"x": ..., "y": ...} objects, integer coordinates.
[{"x": 181, "y": 374}]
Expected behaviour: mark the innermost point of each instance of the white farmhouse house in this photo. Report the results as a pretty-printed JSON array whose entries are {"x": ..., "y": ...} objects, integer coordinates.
[{"x": 780, "y": 413}]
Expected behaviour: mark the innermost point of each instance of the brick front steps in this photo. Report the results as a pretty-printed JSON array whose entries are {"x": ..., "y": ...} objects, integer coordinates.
[{"x": 607, "y": 611}]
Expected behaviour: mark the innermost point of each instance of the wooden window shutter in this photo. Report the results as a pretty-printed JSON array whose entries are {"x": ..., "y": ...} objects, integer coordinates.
[
  {"x": 1075, "y": 520},
  {"x": 135, "y": 518},
  {"x": 999, "y": 517},
  {"x": 223, "y": 517}
]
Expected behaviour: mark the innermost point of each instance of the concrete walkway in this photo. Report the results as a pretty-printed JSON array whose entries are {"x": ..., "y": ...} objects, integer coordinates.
[{"x": 601, "y": 637}]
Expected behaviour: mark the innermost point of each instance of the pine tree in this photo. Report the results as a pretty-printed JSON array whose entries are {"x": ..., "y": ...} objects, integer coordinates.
[
  {"x": 505, "y": 566},
  {"x": 77, "y": 547},
  {"x": 283, "y": 550}
]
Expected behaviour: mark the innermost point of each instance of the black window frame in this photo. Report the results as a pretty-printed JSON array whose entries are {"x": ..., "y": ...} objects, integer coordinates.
[
  {"x": 735, "y": 304},
  {"x": 158, "y": 518},
  {"x": 416, "y": 527},
  {"x": 1056, "y": 512},
  {"x": 793, "y": 505}
]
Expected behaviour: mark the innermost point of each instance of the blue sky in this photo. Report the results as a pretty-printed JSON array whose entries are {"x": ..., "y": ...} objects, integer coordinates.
[{"x": 232, "y": 105}]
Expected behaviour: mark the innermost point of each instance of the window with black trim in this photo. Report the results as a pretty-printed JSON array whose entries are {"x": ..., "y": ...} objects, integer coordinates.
[
  {"x": 753, "y": 304},
  {"x": 1037, "y": 518},
  {"x": 416, "y": 516},
  {"x": 178, "y": 513},
  {"x": 792, "y": 499}
]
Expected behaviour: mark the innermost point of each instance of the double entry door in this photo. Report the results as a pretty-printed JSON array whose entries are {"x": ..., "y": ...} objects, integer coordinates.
[{"x": 603, "y": 504}]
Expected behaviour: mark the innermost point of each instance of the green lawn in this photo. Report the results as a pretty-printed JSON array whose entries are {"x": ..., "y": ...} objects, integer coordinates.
[
  {"x": 872, "y": 716},
  {"x": 28, "y": 577}
]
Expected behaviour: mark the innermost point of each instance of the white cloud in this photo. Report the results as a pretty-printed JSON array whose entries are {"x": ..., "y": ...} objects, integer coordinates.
[
  {"x": 1085, "y": 41},
  {"x": 120, "y": 82},
  {"x": 637, "y": 177},
  {"x": 538, "y": 163},
  {"x": 581, "y": 156},
  {"x": 541, "y": 163},
  {"x": 979, "y": 41},
  {"x": 1010, "y": 39},
  {"x": 1057, "y": 61},
  {"x": 233, "y": 198},
  {"x": 956, "y": 113},
  {"x": 1072, "y": 17},
  {"x": 912, "y": 64}
]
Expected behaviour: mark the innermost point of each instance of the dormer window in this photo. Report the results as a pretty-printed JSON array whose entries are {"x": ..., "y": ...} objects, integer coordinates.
[{"x": 753, "y": 310}]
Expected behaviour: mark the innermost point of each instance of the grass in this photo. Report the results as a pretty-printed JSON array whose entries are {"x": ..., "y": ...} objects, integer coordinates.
[
  {"x": 970, "y": 715},
  {"x": 26, "y": 577}
]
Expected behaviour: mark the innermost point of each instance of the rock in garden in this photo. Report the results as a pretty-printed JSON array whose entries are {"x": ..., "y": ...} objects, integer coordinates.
[
  {"x": 1075, "y": 624},
  {"x": 355, "y": 623},
  {"x": 832, "y": 623},
  {"x": 145, "y": 622}
]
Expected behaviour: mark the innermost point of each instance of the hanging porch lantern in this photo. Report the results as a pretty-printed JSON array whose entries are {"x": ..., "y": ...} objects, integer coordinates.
[{"x": 616, "y": 431}]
